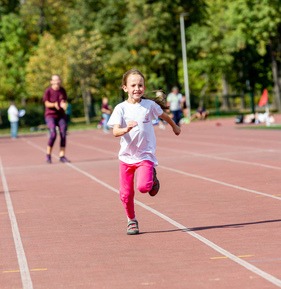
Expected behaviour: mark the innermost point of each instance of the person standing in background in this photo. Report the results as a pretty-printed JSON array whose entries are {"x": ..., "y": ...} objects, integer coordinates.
[
  {"x": 174, "y": 102},
  {"x": 55, "y": 101},
  {"x": 106, "y": 111},
  {"x": 13, "y": 116}
]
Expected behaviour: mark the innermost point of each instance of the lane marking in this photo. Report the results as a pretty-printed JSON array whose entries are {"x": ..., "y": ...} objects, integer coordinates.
[
  {"x": 220, "y": 183},
  {"x": 207, "y": 242},
  {"x": 39, "y": 269},
  {"x": 225, "y": 257},
  {"x": 24, "y": 270},
  {"x": 223, "y": 159},
  {"x": 270, "y": 278},
  {"x": 175, "y": 150},
  {"x": 217, "y": 145},
  {"x": 93, "y": 148},
  {"x": 17, "y": 213},
  {"x": 272, "y": 195},
  {"x": 31, "y": 270},
  {"x": 189, "y": 153},
  {"x": 249, "y": 140},
  {"x": 237, "y": 161}
]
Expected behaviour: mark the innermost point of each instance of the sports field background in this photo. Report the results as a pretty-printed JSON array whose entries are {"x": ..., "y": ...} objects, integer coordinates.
[{"x": 214, "y": 224}]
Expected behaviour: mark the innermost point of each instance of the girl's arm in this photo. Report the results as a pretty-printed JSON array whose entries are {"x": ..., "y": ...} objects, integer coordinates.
[
  {"x": 119, "y": 131},
  {"x": 175, "y": 128}
]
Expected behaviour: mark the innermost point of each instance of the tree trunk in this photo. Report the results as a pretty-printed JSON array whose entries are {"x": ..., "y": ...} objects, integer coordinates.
[
  {"x": 277, "y": 93},
  {"x": 225, "y": 100},
  {"x": 242, "y": 100},
  {"x": 42, "y": 18},
  {"x": 87, "y": 102}
]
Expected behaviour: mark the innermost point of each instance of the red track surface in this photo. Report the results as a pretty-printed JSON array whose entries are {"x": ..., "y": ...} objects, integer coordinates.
[{"x": 216, "y": 222}]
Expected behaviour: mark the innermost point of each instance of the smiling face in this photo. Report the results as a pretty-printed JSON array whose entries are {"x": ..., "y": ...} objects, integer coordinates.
[{"x": 135, "y": 88}]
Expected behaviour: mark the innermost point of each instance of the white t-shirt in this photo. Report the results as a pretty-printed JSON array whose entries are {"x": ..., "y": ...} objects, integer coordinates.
[
  {"x": 13, "y": 113},
  {"x": 175, "y": 101},
  {"x": 139, "y": 143}
]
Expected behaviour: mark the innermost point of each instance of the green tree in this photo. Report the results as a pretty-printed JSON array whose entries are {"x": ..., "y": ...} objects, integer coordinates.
[
  {"x": 84, "y": 51},
  {"x": 232, "y": 44},
  {"x": 152, "y": 37},
  {"x": 263, "y": 29},
  {"x": 143, "y": 34},
  {"x": 105, "y": 17},
  {"x": 228, "y": 44},
  {"x": 41, "y": 16},
  {"x": 211, "y": 47},
  {"x": 8, "y": 6},
  {"x": 13, "y": 55},
  {"x": 49, "y": 58}
]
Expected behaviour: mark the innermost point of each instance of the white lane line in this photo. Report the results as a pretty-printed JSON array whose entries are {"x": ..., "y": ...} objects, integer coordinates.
[
  {"x": 215, "y": 247},
  {"x": 220, "y": 183},
  {"x": 221, "y": 142},
  {"x": 272, "y": 279},
  {"x": 189, "y": 153},
  {"x": 22, "y": 261},
  {"x": 207, "y": 242},
  {"x": 34, "y": 145},
  {"x": 186, "y": 153},
  {"x": 92, "y": 177},
  {"x": 93, "y": 148},
  {"x": 201, "y": 178},
  {"x": 238, "y": 161},
  {"x": 250, "y": 141}
]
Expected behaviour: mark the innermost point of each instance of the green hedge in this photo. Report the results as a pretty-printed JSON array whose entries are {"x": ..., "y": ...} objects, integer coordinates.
[{"x": 34, "y": 116}]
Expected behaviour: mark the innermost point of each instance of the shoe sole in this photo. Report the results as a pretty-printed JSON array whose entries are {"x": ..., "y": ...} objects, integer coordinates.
[
  {"x": 133, "y": 233},
  {"x": 155, "y": 189}
]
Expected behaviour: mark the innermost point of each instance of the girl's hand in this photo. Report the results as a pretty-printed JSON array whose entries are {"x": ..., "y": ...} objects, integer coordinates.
[
  {"x": 177, "y": 130},
  {"x": 118, "y": 131},
  {"x": 131, "y": 124}
]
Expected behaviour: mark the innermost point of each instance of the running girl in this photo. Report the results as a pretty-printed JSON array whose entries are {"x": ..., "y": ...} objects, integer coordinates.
[{"x": 132, "y": 121}]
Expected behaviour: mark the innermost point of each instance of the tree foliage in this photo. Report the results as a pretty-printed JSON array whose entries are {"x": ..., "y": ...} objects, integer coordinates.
[
  {"x": 232, "y": 44},
  {"x": 48, "y": 59},
  {"x": 12, "y": 57},
  {"x": 233, "y": 47}
]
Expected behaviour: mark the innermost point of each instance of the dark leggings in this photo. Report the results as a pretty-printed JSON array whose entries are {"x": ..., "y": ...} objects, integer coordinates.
[
  {"x": 52, "y": 123},
  {"x": 177, "y": 115}
]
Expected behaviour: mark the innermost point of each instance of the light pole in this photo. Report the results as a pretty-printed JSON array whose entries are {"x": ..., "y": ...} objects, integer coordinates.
[{"x": 184, "y": 60}]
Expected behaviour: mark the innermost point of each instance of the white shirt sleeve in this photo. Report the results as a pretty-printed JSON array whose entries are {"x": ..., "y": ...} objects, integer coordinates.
[
  {"x": 156, "y": 110},
  {"x": 116, "y": 116}
]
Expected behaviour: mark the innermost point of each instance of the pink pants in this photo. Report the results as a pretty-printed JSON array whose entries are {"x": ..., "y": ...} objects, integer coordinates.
[{"x": 144, "y": 171}]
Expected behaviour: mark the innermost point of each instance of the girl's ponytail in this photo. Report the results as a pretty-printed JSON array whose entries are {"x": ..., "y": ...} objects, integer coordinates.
[{"x": 159, "y": 98}]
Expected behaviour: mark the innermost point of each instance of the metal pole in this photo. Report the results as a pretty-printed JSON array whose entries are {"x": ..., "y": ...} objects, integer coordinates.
[{"x": 184, "y": 59}]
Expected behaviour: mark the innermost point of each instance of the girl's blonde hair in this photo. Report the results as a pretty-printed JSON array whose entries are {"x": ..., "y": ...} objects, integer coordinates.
[
  {"x": 130, "y": 72},
  {"x": 159, "y": 98}
]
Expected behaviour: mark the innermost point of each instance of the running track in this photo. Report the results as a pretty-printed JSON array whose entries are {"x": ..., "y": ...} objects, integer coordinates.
[{"x": 216, "y": 222}]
